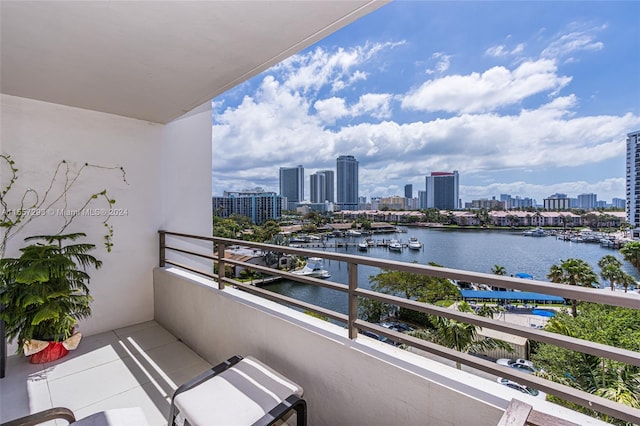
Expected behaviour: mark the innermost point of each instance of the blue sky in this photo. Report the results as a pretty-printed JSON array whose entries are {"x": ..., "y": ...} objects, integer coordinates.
[{"x": 524, "y": 98}]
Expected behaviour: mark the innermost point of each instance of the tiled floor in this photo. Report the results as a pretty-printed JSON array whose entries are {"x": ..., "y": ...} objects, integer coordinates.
[{"x": 136, "y": 366}]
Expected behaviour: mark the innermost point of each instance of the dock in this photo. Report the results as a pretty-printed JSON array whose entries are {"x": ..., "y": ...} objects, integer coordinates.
[{"x": 344, "y": 244}]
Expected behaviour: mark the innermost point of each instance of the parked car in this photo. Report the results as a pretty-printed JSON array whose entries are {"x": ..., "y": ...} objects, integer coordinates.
[
  {"x": 396, "y": 326},
  {"x": 522, "y": 388},
  {"x": 519, "y": 364},
  {"x": 378, "y": 337}
]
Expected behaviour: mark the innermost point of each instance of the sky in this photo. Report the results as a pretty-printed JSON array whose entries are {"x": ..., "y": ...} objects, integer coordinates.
[{"x": 522, "y": 98}]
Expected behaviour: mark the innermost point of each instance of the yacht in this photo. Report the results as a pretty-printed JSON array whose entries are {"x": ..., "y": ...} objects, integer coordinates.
[
  {"x": 353, "y": 233},
  {"x": 537, "y": 232},
  {"x": 395, "y": 245},
  {"x": 363, "y": 245},
  {"x": 313, "y": 269},
  {"x": 414, "y": 243}
]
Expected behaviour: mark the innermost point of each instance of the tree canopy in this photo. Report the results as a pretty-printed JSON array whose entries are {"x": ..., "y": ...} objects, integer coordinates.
[
  {"x": 619, "y": 327},
  {"x": 573, "y": 272}
]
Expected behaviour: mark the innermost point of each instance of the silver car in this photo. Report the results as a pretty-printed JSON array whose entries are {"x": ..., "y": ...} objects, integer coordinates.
[
  {"x": 522, "y": 388},
  {"x": 518, "y": 364}
]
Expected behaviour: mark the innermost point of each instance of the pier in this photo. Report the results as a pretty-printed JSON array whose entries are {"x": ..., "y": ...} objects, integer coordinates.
[{"x": 346, "y": 244}]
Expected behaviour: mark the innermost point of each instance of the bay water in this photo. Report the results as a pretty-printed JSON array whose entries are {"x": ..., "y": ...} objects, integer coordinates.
[{"x": 470, "y": 250}]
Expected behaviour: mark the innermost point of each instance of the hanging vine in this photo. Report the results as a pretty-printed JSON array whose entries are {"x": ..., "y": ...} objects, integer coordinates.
[{"x": 32, "y": 205}]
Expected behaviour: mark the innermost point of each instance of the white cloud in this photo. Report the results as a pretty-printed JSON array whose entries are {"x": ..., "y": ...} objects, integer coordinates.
[
  {"x": 502, "y": 50},
  {"x": 443, "y": 62},
  {"x": 376, "y": 105},
  {"x": 284, "y": 123},
  {"x": 320, "y": 68},
  {"x": 331, "y": 109},
  {"x": 581, "y": 39},
  {"x": 496, "y": 87}
]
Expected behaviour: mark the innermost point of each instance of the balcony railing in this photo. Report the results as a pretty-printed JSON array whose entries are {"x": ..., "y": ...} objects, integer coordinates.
[{"x": 170, "y": 251}]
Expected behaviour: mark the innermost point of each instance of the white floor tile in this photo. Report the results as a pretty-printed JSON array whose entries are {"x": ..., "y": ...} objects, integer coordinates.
[
  {"x": 86, "y": 387},
  {"x": 147, "y": 397},
  {"x": 20, "y": 397},
  {"x": 140, "y": 366},
  {"x": 74, "y": 363},
  {"x": 147, "y": 337}
]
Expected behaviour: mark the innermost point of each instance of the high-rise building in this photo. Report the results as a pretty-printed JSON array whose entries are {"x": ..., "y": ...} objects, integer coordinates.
[
  {"x": 557, "y": 202},
  {"x": 394, "y": 203},
  {"x": 257, "y": 205},
  {"x": 633, "y": 179},
  {"x": 422, "y": 200},
  {"x": 321, "y": 186},
  {"x": 292, "y": 185},
  {"x": 442, "y": 190},
  {"x": 587, "y": 201},
  {"x": 362, "y": 203},
  {"x": 375, "y": 203},
  {"x": 347, "y": 185},
  {"x": 618, "y": 203},
  {"x": 408, "y": 191}
]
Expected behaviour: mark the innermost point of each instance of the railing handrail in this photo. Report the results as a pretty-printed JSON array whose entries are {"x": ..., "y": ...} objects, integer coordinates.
[
  {"x": 584, "y": 294},
  {"x": 585, "y": 399}
]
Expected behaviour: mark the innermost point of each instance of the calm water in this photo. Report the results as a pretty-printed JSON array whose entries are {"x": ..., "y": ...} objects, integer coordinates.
[{"x": 469, "y": 250}]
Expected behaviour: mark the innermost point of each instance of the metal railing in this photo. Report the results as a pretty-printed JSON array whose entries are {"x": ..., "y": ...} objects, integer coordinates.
[{"x": 353, "y": 293}]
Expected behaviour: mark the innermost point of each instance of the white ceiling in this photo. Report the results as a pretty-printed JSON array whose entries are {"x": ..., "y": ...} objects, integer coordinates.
[{"x": 153, "y": 60}]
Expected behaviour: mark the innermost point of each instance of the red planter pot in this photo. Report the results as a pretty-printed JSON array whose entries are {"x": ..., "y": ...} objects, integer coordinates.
[{"x": 55, "y": 350}]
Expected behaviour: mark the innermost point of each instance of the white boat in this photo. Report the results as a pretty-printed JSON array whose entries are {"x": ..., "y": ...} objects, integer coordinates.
[
  {"x": 363, "y": 245},
  {"x": 414, "y": 244},
  {"x": 395, "y": 245},
  {"x": 353, "y": 233},
  {"x": 537, "y": 232},
  {"x": 313, "y": 269}
]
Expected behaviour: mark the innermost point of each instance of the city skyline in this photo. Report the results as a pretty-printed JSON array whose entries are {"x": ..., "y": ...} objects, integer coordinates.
[
  {"x": 418, "y": 87},
  {"x": 322, "y": 187}
]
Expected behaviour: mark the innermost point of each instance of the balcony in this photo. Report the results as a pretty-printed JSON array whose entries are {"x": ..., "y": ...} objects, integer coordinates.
[
  {"x": 153, "y": 328},
  {"x": 203, "y": 318},
  {"x": 136, "y": 366}
]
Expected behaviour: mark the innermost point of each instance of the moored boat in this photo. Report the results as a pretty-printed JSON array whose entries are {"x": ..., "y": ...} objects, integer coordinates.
[
  {"x": 414, "y": 243},
  {"x": 313, "y": 269},
  {"x": 537, "y": 232},
  {"x": 395, "y": 245}
]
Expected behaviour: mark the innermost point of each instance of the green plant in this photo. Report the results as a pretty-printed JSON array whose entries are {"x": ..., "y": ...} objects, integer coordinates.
[
  {"x": 44, "y": 291},
  {"x": 17, "y": 210}
]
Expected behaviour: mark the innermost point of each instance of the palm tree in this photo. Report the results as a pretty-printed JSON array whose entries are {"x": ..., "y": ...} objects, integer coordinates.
[
  {"x": 498, "y": 270},
  {"x": 624, "y": 388},
  {"x": 460, "y": 336},
  {"x": 612, "y": 272},
  {"x": 573, "y": 272},
  {"x": 610, "y": 269},
  {"x": 631, "y": 253}
]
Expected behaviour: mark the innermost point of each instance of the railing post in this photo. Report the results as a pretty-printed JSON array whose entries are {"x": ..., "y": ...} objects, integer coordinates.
[
  {"x": 221, "y": 265},
  {"x": 162, "y": 247},
  {"x": 352, "y": 270}
]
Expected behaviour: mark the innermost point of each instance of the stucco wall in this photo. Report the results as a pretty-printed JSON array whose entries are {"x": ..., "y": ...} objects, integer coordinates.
[
  {"x": 363, "y": 382},
  {"x": 168, "y": 174},
  {"x": 345, "y": 382}
]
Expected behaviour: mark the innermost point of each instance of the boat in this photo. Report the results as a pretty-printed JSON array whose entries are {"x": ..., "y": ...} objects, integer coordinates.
[
  {"x": 363, "y": 245},
  {"x": 537, "y": 232},
  {"x": 353, "y": 233},
  {"x": 395, "y": 245},
  {"x": 414, "y": 243},
  {"x": 313, "y": 269}
]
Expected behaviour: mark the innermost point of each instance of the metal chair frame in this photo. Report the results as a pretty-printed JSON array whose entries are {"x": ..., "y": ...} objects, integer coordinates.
[{"x": 293, "y": 402}]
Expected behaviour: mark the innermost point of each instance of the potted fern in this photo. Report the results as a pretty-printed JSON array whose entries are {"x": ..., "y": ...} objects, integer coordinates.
[{"x": 45, "y": 292}]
